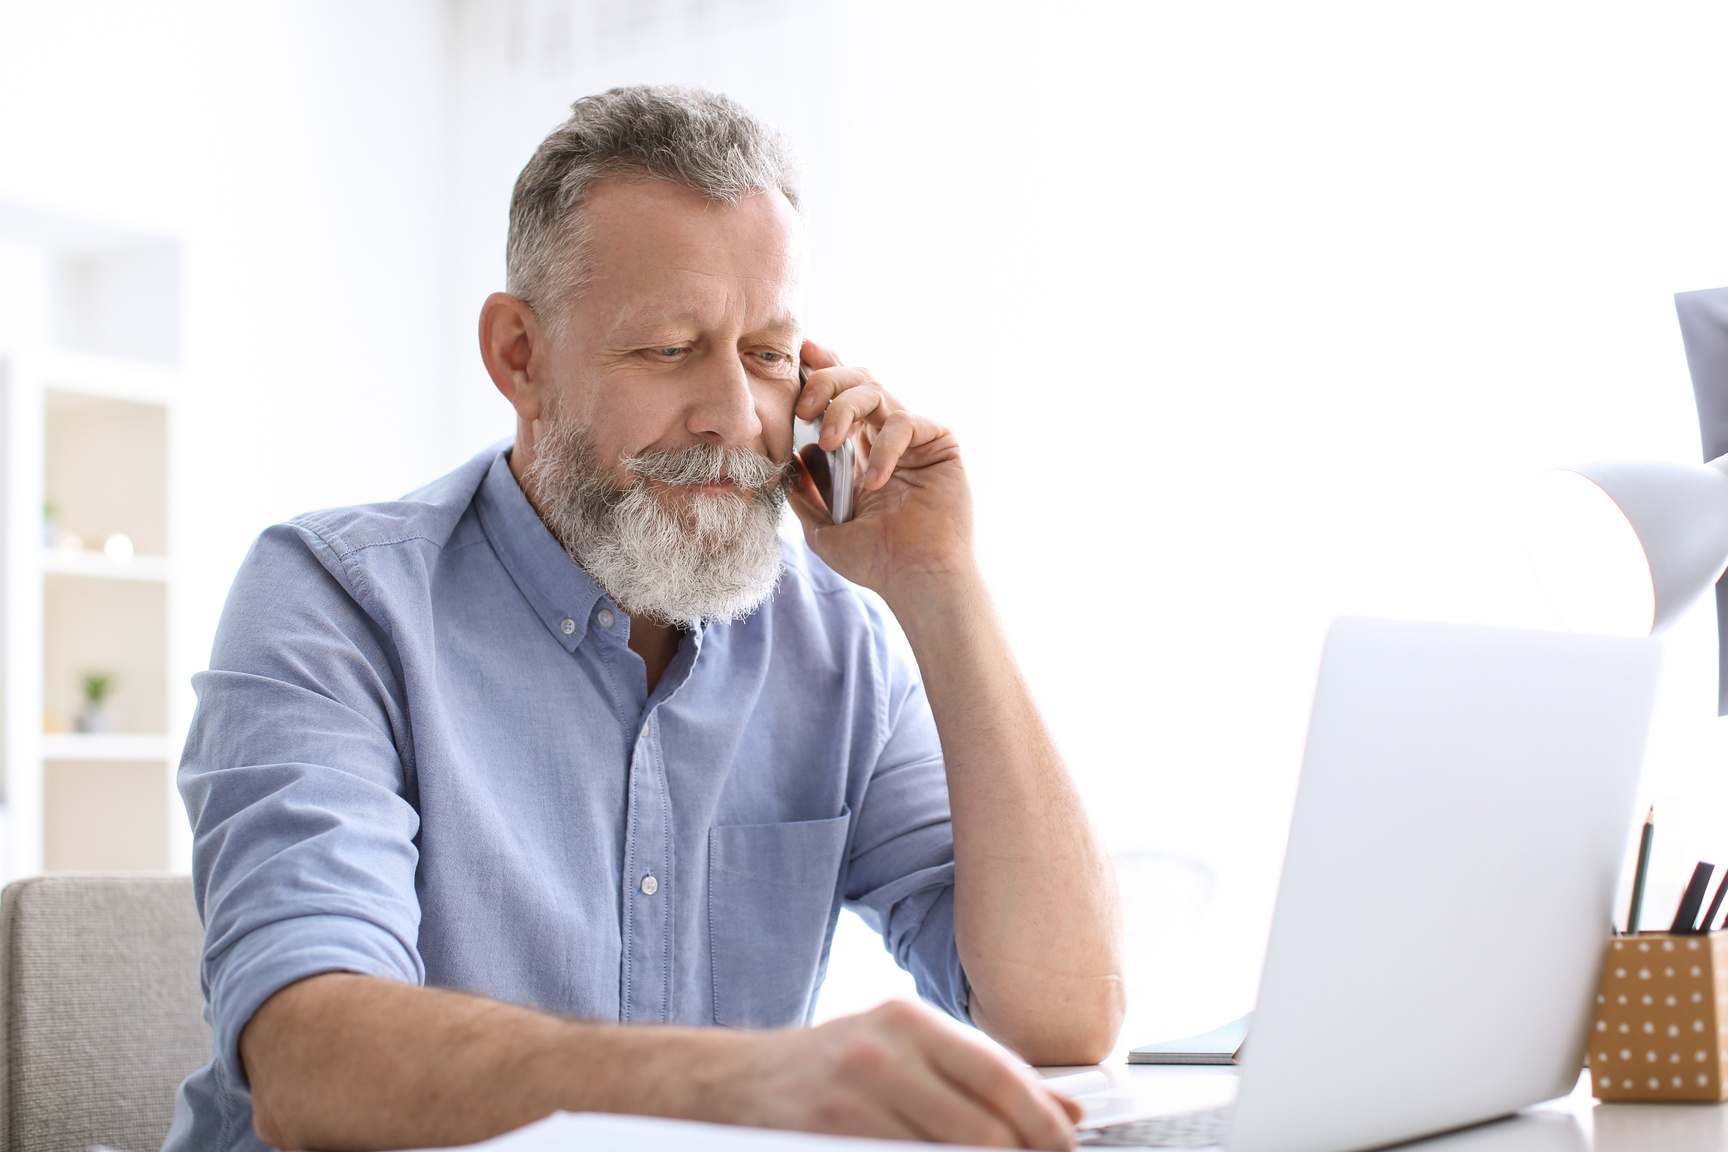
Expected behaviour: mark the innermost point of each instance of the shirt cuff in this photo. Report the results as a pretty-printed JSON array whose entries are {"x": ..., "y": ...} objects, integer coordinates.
[
  {"x": 933, "y": 957},
  {"x": 268, "y": 959},
  {"x": 915, "y": 915}
]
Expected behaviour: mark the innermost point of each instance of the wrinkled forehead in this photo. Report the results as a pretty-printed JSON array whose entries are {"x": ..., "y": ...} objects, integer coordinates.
[{"x": 660, "y": 247}]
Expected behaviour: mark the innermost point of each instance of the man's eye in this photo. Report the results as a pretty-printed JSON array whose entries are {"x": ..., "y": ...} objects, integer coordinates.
[
  {"x": 772, "y": 357},
  {"x": 668, "y": 351}
]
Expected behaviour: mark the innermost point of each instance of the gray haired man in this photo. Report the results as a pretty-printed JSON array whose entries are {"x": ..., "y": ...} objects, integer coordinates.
[{"x": 500, "y": 790}]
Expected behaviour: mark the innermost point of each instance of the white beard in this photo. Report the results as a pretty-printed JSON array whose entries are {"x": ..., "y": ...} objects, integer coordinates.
[{"x": 717, "y": 560}]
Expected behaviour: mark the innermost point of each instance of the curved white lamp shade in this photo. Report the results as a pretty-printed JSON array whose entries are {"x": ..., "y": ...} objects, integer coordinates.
[{"x": 1626, "y": 548}]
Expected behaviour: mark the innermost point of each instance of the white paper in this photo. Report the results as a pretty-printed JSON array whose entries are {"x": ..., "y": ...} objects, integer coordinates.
[
  {"x": 607, "y": 1132},
  {"x": 1104, "y": 1101}
]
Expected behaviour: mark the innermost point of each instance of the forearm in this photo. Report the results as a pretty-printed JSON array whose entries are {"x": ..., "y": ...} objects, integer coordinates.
[
  {"x": 1036, "y": 914},
  {"x": 341, "y": 1061}
]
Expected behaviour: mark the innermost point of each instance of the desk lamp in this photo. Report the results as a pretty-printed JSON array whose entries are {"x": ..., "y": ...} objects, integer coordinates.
[{"x": 1626, "y": 547}]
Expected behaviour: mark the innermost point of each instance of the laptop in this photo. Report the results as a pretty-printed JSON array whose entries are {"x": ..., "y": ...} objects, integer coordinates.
[{"x": 1464, "y": 807}]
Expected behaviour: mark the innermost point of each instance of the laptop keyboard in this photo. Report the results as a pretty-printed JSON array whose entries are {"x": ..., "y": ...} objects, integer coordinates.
[{"x": 1202, "y": 1129}]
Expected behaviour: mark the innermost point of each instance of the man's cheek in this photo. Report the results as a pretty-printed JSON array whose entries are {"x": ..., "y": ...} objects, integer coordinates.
[{"x": 776, "y": 442}]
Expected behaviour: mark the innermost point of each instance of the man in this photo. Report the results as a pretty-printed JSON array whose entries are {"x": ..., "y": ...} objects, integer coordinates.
[{"x": 498, "y": 789}]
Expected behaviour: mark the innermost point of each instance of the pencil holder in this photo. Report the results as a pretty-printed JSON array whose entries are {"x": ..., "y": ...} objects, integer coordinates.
[{"x": 1659, "y": 1031}]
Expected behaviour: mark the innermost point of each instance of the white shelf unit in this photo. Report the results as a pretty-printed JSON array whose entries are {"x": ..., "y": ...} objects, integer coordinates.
[
  {"x": 84, "y": 562},
  {"x": 103, "y": 746},
  {"x": 87, "y": 386}
]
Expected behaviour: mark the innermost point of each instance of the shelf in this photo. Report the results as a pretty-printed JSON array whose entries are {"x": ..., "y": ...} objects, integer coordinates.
[
  {"x": 113, "y": 377},
  {"x": 118, "y": 627},
  {"x": 84, "y": 562},
  {"x": 87, "y": 393},
  {"x": 104, "y": 746}
]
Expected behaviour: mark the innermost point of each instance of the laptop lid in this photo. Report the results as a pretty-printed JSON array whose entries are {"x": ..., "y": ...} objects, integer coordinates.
[{"x": 1464, "y": 806}]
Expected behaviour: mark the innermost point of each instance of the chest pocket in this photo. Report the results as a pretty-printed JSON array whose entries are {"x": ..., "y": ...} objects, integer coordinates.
[{"x": 772, "y": 891}]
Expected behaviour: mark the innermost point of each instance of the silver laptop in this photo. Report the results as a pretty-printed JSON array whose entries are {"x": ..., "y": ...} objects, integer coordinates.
[{"x": 1465, "y": 804}]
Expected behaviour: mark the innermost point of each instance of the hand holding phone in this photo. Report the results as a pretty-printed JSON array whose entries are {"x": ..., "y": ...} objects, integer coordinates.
[
  {"x": 834, "y": 473},
  {"x": 909, "y": 516}
]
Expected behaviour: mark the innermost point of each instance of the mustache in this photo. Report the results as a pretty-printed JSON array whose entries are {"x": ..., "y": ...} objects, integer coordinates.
[{"x": 708, "y": 464}]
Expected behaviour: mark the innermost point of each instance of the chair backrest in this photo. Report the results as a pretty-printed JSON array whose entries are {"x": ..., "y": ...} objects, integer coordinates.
[{"x": 102, "y": 1011}]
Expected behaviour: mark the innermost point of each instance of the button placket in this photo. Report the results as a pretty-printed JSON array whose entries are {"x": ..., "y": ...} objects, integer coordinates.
[{"x": 646, "y": 994}]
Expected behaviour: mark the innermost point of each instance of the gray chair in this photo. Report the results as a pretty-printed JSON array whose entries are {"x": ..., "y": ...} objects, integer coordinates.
[{"x": 100, "y": 1009}]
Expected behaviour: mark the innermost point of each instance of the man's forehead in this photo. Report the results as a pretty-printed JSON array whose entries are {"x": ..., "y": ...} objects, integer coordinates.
[
  {"x": 648, "y": 315},
  {"x": 662, "y": 259},
  {"x": 662, "y": 255},
  {"x": 627, "y": 213}
]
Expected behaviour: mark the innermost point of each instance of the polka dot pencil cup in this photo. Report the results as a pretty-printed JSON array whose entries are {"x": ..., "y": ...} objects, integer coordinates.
[{"x": 1659, "y": 1032}]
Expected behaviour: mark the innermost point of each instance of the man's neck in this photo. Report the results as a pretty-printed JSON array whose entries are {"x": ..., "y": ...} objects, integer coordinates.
[{"x": 656, "y": 644}]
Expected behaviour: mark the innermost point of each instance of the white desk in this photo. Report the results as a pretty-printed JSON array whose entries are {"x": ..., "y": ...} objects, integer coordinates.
[{"x": 1576, "y": 1123}]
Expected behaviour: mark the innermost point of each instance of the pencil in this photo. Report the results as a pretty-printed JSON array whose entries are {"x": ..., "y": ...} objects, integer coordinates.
[
  {"x": 1715, "y": 903},
  {"x": 1643, "y": 871},
  {"x": 1686, "y": 917}
]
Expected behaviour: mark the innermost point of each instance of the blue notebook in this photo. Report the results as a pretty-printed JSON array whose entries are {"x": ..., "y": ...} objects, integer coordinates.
[{"x": 1219, "y": 1046}]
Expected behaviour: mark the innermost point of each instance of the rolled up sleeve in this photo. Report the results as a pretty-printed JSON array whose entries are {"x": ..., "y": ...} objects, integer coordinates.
[
  {"x": 304, "y": 849},
  {"x": 900, "y": 877}
]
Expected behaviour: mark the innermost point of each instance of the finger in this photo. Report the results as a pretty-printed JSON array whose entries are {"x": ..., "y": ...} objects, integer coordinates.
[
  {"x": 1034, "y": 1114},
  {"x": 862, "y": 402},
  {"x": 941, "y": 1112},
  {"x": 1015, "y": 1097},
  {"x": 816, "y": 356},
  {"x": 898, "y": 433},
  {"x": 868, "y": 1114},
  {"x": 824, "y": 384},
  {"x": 891, "y": 1074}
]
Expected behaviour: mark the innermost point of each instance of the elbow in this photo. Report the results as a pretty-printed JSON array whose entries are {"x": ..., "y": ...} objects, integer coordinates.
[
  {"x": 1106, "y": 1025},
  {"x": 1092, "y": 1045},
  {"x": 268, "y": 1128},
  {"x": 274, "y": 1124},
  {"x": 277, "y": 1063},
  {"x": 1086, "y": 1038},
  {"x": 1073, "y": 1030}
]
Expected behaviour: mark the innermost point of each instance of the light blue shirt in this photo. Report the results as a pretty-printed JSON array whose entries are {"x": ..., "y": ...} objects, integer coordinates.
[{"x": 423, "y": 751}]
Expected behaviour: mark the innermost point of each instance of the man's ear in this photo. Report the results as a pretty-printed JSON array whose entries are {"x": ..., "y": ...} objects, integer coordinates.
[{"x": 512, "y": 344}]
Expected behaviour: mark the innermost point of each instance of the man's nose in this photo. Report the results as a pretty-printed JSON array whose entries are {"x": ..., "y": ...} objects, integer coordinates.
[{"x": 722, "y": 407}]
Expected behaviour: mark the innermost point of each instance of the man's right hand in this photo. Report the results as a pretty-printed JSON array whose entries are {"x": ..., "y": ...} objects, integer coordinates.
[
  {"x": 352, "y": 1063},
  {"x": 896, "y": 1072}
]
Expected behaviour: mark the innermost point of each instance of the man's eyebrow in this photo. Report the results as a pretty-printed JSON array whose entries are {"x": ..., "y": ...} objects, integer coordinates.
[
  {"x": 779, "y": 325},
  {"x": 649, "y": 328}
]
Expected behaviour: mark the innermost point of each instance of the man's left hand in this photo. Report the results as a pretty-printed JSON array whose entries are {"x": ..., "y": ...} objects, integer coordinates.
[{"x": 912, "y": 520}]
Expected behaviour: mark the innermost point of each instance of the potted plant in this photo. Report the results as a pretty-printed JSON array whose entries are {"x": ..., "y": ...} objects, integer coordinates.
[{"x": 93, "y": 717}]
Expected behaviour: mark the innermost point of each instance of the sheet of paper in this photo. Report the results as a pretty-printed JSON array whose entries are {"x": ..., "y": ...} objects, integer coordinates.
[
  {"x": 1105, "y": 1100},
  {"x": 604, "y": 1132},
  {"x": 1141, "y": 1097}
]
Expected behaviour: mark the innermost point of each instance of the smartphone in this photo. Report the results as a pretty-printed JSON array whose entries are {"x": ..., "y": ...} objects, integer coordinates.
[{"x": 833, "y": 471}]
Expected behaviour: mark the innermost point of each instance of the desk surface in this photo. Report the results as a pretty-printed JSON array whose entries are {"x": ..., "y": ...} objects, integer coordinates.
[{"x": 1575, "y": 1123}]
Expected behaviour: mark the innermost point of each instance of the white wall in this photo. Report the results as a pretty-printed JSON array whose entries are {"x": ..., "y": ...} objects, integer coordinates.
[{"x": 1250, "y": 314}]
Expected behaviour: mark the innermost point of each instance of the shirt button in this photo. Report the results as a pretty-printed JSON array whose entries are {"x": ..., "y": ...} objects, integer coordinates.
[
  {"x": 650, "y": 885},
  {"x": 605, "y": 617},
  {"x": 568, "y": 625}
]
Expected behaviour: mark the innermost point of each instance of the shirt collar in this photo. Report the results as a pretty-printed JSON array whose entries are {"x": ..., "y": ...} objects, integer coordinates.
[{"x": 559, "y": 590}]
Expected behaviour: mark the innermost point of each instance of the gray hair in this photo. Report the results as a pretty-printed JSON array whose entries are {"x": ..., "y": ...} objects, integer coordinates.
[{"x": 689, "y": 136}]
